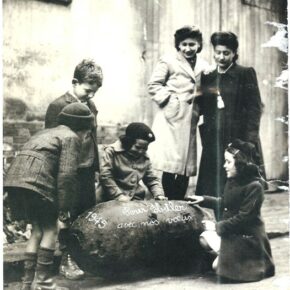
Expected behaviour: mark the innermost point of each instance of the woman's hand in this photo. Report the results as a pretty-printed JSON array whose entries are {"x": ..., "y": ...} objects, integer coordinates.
[
  {"x": 208, "y": 225},
  {"x": 194, "y": 199},
  {"x": 161, "y": 197}
]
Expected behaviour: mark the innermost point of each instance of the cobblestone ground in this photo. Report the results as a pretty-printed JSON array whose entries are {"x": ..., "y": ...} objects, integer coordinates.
[
  {"x": 207, "y": 281},
  {"x": 276, "y": 216}
]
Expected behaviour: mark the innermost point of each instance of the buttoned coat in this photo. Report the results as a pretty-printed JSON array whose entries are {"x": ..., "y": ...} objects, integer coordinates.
[
  {"x": 240, "y": 118},
  {"x": 47, "y": 165},
  {"x": 245, "y": 253},
  {"x": 172, "y": 87},
  {"x": 120, "y": 174}
]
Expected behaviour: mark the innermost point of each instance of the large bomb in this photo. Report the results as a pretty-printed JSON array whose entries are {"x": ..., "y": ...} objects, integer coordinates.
[{"x": 118, "y": 235}]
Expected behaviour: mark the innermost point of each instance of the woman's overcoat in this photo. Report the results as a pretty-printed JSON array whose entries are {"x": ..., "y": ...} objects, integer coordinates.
[
  {"x": 240, "y": 118},
  {"x": 245, "y": 253},
  {"x": 47, "y": 165},
  {"x": 172, "y": 87}
]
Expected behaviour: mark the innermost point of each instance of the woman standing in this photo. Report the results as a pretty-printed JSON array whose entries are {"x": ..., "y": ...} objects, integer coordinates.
[
  {"x": 245, "y": 252},
  {"x": 230, "y": 107},
  {"x": 172, "y": 87}
]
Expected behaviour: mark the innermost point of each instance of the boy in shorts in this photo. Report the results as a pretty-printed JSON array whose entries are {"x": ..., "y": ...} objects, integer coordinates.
[{"x": 42, "y": 186}]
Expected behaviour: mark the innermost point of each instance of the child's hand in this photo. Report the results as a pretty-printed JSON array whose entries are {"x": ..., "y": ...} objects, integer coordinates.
[
  {"x": 194, "y": 199},
  {"x": 161, "y": 197},
  {"x": 208, "y": 225},
  {"x": 124, "y": 198}
]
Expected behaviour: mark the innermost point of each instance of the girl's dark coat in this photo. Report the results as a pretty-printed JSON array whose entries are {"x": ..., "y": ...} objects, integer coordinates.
[
  {"x": 240, "y": 118},
  {"x": 245, "y": 253}
]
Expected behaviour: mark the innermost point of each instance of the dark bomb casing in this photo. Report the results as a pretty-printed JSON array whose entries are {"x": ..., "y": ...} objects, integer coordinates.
[{"x": 117, "y": 235}]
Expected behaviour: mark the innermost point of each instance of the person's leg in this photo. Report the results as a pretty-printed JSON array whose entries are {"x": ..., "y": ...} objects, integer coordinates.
[
  {"x": 35, "y": 238},
  {"x": 211, "y": 242},
  {"x": 87, "y": 189},
  {"x": 31, "y": 256},
  {"x": 84, "y": 201},
  {"x": 44, "y": 279},
  {"x": 49, "y": 230},
  {"x": 215, "y": 263},
  {"x": 168, "y": 183},
  {"x": 181, "y": 184},
  {"x": 44, "y": 269},
  {"x": 68, "y": 267}
]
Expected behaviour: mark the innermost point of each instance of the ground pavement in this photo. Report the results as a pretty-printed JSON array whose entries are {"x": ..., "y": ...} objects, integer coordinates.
[{"x": 276, "y": 215}]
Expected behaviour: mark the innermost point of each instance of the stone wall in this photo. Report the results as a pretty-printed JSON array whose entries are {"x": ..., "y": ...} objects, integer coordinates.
[{"x": 43, "y": 41}]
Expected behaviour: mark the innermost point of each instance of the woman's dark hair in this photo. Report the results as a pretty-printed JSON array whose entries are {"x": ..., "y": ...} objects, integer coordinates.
[
  {"x": 244, "y": 154},
  {"x": 127, "y": 142},
  {"x": 188, "y": 32},
  {"x": 228, "y": 39}
]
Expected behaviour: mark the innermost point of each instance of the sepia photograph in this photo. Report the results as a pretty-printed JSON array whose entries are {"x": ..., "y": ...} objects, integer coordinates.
[{"x": 145, "y": 145}]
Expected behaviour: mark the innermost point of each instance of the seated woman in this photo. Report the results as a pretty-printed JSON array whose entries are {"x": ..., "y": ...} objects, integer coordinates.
[
  {"x": 245, "y": 252},
  {"x": 125, "y": 164}
]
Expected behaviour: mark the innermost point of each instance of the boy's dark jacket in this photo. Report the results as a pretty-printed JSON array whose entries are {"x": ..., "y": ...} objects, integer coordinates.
[{"x": 89, "y": 151}]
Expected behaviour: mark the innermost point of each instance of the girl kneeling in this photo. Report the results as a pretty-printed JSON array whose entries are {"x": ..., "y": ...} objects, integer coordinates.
[{"x": 245, "y": 252}]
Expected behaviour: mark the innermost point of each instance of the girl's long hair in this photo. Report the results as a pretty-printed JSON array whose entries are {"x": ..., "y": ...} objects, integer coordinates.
[{"x": 244, "y": 155}]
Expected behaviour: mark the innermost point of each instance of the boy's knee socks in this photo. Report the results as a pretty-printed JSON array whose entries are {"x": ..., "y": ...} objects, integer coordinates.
[
  {"x": 29, "y": 270},
  {"x": 44, "y": 258},
  {"x": 44, "y": 270}
]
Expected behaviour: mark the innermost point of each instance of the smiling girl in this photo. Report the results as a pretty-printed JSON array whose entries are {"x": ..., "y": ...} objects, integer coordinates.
[{"x": 172, "y": 87}]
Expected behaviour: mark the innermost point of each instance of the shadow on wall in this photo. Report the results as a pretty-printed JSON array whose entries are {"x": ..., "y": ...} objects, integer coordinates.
[{"x": 17, "y": 109}]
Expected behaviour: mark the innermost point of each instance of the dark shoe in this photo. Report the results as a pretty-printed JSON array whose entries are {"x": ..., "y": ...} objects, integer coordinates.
[
  {"x": 29, "y": 270},
  {"x": 44, "y": 278},
  {"x": 69, "y": 268}
]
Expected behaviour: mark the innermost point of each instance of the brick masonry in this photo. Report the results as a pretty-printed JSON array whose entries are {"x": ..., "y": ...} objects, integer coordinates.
[{"x": 17, "y": 133}]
